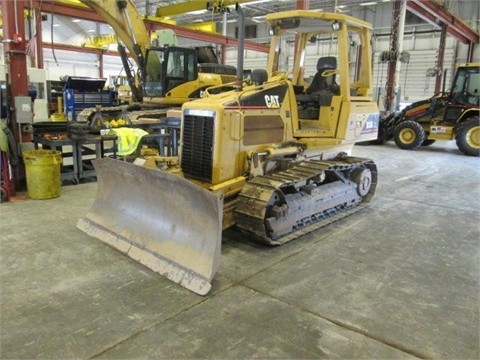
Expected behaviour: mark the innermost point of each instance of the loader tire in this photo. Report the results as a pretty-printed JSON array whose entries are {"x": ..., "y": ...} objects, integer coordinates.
[
  {"x": 409, "y": 135},
  {"x": 468, "y": 137}
]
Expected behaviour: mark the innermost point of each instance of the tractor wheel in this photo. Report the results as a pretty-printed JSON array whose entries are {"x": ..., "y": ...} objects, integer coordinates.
[
  {"x": 409, "y": 135},
  {"x": 428, "y": 142},
  {"x": 468, "y": 137}
]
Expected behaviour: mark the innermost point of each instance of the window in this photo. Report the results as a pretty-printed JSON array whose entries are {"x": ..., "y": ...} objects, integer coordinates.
[{"x": 250, "y": 32}]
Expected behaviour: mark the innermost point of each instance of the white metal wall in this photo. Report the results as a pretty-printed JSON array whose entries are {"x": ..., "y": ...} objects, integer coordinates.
[
  {"x": 79, "y": 64},
  {"x": 417, "y": 79}
]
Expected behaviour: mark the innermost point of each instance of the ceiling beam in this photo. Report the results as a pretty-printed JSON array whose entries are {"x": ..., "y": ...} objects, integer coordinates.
[
  {"x": 65, "y": 9},
  {"x": 152, "y": 23},
  {"x": 204, "y": 36},
  {"x": 81, "y": 49},
  {"x": 434, "y": 13},
  {"x": 195, "y": 5}
]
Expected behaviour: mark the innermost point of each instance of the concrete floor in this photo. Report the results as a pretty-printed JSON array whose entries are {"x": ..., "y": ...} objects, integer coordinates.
[{"x": 399, "y": 279}]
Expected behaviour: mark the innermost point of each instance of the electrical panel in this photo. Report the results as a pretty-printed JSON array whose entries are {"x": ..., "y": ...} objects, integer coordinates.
[{"x": 23, "y": 109}]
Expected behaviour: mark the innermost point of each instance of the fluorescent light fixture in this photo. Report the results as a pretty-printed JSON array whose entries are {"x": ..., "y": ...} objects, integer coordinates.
[
  {"x": 76, "y": 20},
  {"x": 254, "y": 2},
  {"x": 259, "y": 18},
  {"x": 368, "y": 3},
  {"x": 197, "y": 12},
  {"x": 90, "y": 30},
  {"x": 56, "y": 25},
  {"x": 341, "y": 6}
]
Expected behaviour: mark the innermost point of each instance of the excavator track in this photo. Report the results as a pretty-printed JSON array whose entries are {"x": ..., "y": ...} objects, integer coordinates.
[
  {"x": 114, "y": 112},
  {"x": 284, "y": 205}
]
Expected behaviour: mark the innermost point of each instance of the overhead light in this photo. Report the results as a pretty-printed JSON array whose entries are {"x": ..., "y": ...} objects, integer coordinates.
[
  {"x": 341, "y": 8},
  {"x": 76, "y": 20},
  {"x": 335, "y": 25},
  {"x": 197, "y": 12},
  {"x": 254, "y": 2},
  {"x": 368, "y": 3},
  {"x": 56, "y": 25},
  {"x": 90, "y": 30},
  {"x": 258, "y": 19}
]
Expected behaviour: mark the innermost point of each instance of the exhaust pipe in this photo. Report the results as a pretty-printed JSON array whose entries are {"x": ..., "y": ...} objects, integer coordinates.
[{"x": 240, "y": 47}]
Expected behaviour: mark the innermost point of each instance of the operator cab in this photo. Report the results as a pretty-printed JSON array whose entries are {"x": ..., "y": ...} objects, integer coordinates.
[
  {"x": 168, "y": 67},
  {"x": 342, "y": 72},
  {"x": 464, "y": 93}
]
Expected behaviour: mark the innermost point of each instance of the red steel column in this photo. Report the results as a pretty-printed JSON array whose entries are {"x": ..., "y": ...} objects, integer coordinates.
[
  {"x": 38, "y": 38},
  {"x": 303, "y": 4},
  {"x": 440, "y": 59},
  {"x": 392, "y": 64},
  {"x": 15, "y": 45}
]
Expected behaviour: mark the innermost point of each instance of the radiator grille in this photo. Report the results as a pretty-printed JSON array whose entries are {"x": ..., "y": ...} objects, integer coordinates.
[{"x": 197, "y": 147}]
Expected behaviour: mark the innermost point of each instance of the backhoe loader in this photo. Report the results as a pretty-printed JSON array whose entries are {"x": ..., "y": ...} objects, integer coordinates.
[
  {"x": 272, "y": 157},
  {"x": 446, "y": 116}
]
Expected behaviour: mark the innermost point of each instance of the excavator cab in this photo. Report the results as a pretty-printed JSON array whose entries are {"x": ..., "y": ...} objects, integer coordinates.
[{"x": 168, "y": 67}]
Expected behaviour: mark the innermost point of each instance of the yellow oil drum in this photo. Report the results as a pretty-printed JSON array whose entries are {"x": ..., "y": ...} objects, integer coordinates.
[{"x": 43, "y": 170}]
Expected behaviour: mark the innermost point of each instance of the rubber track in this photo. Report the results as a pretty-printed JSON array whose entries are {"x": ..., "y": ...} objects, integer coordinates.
[{"x": 253, "y": 200}]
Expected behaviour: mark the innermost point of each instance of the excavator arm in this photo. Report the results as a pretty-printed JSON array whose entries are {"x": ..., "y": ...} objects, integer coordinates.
[{"x": 128, "y": 25}]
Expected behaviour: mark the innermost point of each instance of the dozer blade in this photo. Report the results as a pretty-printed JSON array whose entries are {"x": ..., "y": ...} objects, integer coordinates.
[{"x": 159, "y": 219}]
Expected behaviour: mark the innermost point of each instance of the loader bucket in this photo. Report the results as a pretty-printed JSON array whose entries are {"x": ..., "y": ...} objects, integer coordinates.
[{"x": 161, "y": 220}]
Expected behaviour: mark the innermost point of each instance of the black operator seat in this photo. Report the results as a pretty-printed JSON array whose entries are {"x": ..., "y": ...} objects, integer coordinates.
[
  {"x": 321, "y": 90},
  {"x": 320, "y": 82}
]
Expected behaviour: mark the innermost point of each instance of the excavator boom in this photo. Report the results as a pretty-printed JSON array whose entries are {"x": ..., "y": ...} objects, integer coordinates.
[{"x": 127, "y": 23}]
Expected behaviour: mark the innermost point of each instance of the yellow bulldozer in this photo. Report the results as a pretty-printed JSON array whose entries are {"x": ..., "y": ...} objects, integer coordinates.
[{"x": 272, "y": 157}]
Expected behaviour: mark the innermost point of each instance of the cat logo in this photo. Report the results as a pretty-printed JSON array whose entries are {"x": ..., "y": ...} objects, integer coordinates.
[{"x": 272, "y": 101}]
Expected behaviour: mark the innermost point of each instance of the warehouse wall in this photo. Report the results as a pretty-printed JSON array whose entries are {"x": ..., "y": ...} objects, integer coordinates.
[
  {"x": 416, "y": 81},
  {"x": 421, "y": 41}
]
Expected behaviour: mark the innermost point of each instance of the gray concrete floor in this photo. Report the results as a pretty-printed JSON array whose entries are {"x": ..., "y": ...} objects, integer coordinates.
[{"x": 399, "y": 279}]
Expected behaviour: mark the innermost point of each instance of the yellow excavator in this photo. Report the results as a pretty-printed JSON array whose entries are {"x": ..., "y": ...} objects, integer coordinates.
[
  {"x": 167, "y": 75},
  {"x": 272, "y": 157}
]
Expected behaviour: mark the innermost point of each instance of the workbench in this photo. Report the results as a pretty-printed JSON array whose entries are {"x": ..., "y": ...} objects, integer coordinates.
[{"x": 81, "y": 152}]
